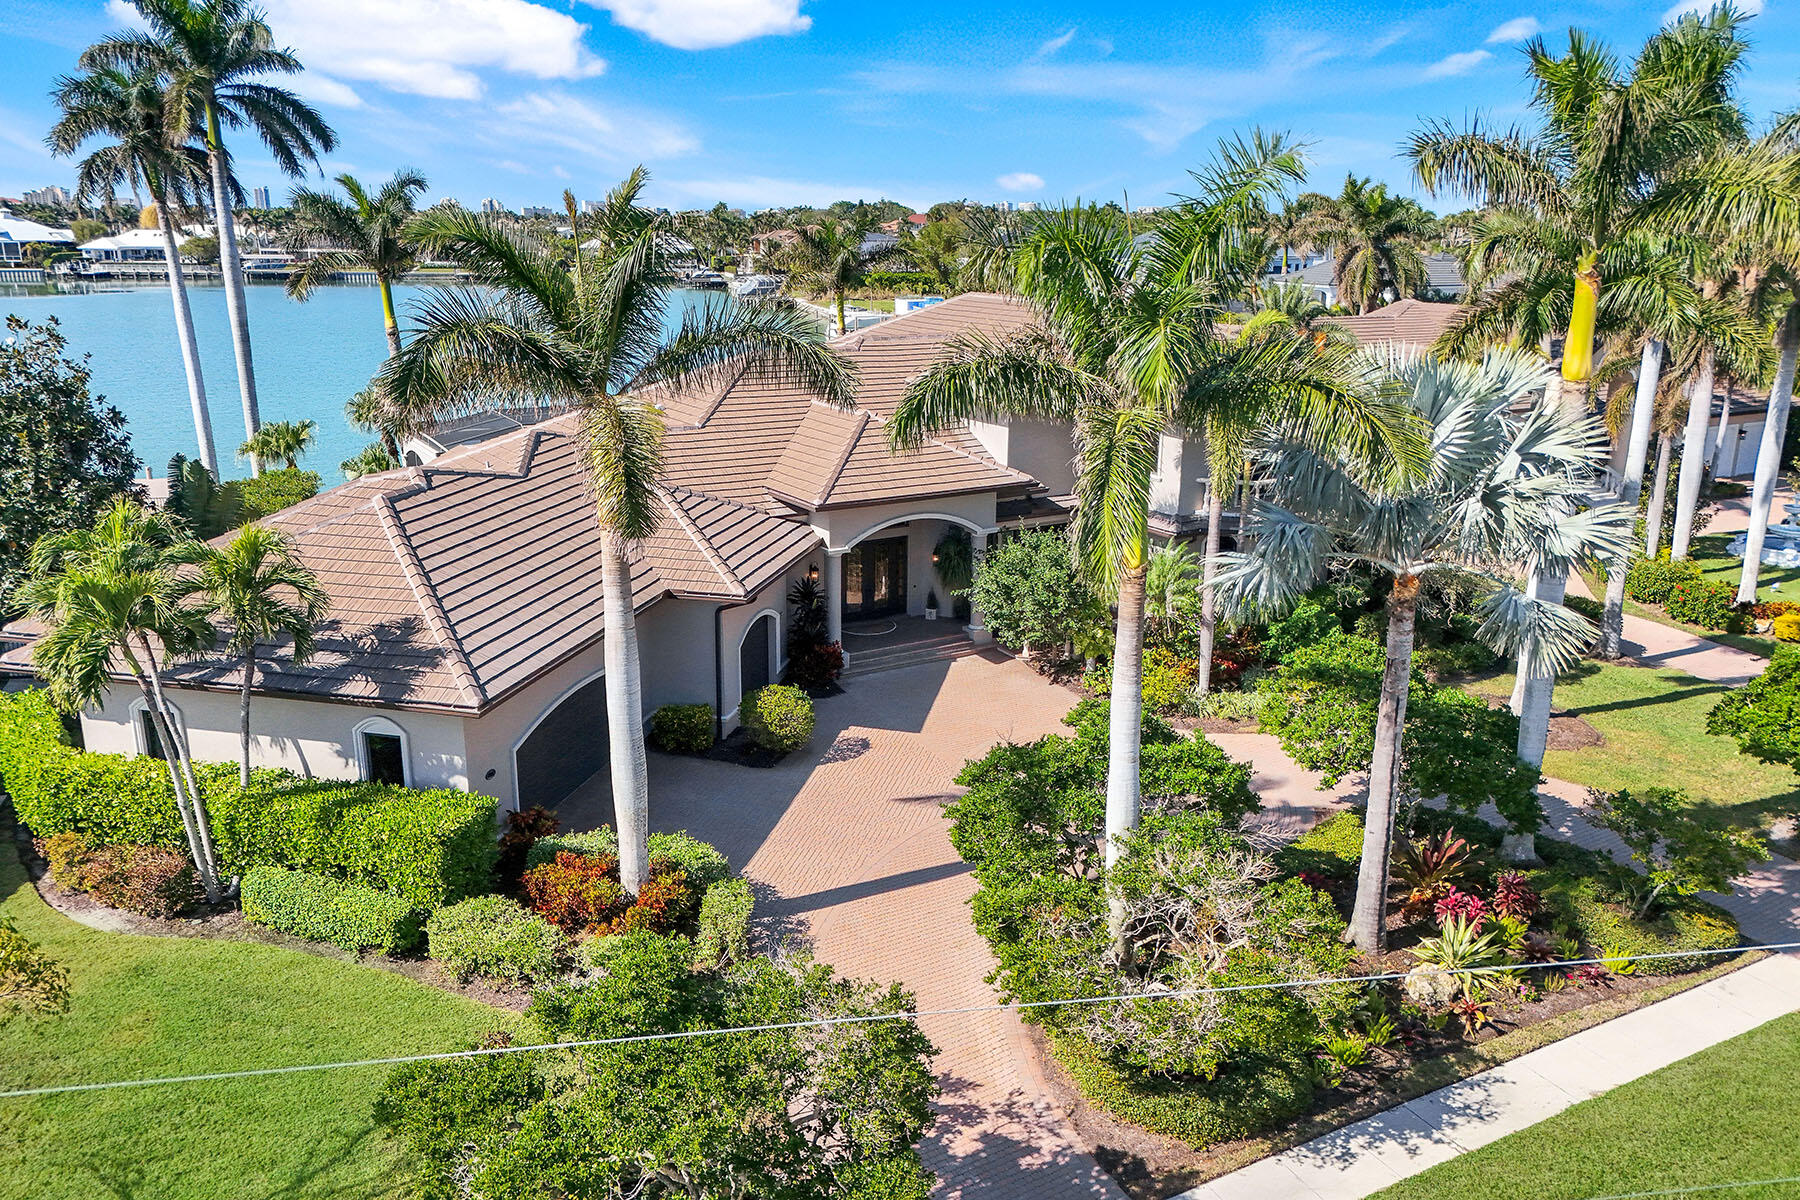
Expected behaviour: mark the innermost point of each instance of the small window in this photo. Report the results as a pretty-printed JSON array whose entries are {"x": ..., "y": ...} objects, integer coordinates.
[
  {"x": 384, "y": 758},
  {"x": 153, "y": 747}
]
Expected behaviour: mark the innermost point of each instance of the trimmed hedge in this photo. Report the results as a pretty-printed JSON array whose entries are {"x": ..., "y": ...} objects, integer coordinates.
[
  {"x": 326, "y": 909},
  {"x": 496, "y": 938},
  {"x": 595, "y": 841},
  {"x": 431, "y": 846},
  {"x": 682, "y": 728},
  {"x": 724, "y": 935},
  {"x": 1332, "y": 848},
  {"x": 1252, "y": 1095},
  {"x": 1685, "y": 923}
]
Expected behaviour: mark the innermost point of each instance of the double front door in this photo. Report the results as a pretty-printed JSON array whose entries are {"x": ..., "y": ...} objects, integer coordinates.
[{"x": 875, "y": 578}]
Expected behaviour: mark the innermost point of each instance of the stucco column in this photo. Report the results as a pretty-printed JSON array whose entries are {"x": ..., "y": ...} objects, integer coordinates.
[
  {"x": 977, "y": 628},
  {"x": 834, "y": 598}
]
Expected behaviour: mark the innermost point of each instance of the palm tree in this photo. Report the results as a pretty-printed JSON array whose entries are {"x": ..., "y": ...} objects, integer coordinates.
[
  {"x": 1375, "y": 240},
  {"x": 258, "y": 586},
  {"x": 213, "y": 56},
  {"x": 1125, "y": 346},
  {"x": 111, "y": 595},
  {"x": 286, "y": 440},
  {"x": 1288, "y": 228},
  {"x": 1562, "y": 241},
  {"x": 1294, "y": 308},
  {"x": 365, "y": 233},
  {"x": 1501, "y": 489},
  {"x": 1171, "y": 586},
  {"x": 533, "y": 332},
  {"x": 127, "y": 109},
  {"x": 830, "y": 259}
]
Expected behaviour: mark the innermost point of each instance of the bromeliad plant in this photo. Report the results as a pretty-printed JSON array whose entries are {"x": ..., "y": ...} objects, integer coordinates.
[{"x": 1504, "y": 487}]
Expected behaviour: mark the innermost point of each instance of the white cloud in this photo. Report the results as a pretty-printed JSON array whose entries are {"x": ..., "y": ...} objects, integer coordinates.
[
  {"x": 1021, "y": 181},
  {"x": 1457, "y": 64},
  {"x": 1747, "y": 8},
  {"x": 706, "y": 24},
  {"x": 322, "y": 89},
  {"x": 762, "y": 191},
  {"x": 1515, "y": 30},
  {"x": 1056, "y": 43},
  {"x": 425, "y": 47},
  {"x": 555, "y": 118}
]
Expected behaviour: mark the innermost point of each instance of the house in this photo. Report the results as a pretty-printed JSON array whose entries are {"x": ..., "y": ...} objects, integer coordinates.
[
  {"x": 16, "y": 233},
  {"x": 1408, "y": 322},
  {"x": 134, "y": 245},
  {"x": 465, "y": 647},
  {"x": 1443, "y": 277}
]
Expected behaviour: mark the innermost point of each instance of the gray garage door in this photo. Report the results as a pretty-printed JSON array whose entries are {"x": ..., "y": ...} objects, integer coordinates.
[{"x": 567, "y": 747}]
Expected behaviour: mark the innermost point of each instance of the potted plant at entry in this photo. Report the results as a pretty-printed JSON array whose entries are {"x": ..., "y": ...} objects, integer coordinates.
[{"x": 931, "y": 605}]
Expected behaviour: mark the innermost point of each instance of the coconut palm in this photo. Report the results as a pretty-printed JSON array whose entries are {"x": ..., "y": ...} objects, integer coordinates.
[
  {"x": 213, "y": 57},
  {"x": 111, "y": 597},
  {"x": 1126, "y": 346},
  {"x": 286, "y": 440},
  {"x": 126, "y": 108},
  {"x": 1376, "y": 239},
  {"x": 591, "y": 336},
  {"x": 1287, "y": 227},
  {"x": 264, "y": 594},
  {"x": 367, "y": 232},
  {"x": 830, "y": 259},
  {"x": 1562, "y": 248},
  {"x": 1502, "y": 489}
]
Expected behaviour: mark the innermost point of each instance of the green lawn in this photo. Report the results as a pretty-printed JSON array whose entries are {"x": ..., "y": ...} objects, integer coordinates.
[
  {"x": 1724, "y": 1116},
  {"x": 1654, "y": 723},
  {"x": 143, "y": 1006},
  {"x": 1772, "y": 583}
]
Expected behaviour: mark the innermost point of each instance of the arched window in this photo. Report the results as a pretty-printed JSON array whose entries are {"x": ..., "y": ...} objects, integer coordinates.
[
  {"x": 382, "y": 752},
  {"x": 143, "y": 728}
]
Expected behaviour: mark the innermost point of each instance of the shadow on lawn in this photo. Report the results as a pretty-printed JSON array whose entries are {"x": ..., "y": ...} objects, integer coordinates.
[{"x": 134, "y": 1179}]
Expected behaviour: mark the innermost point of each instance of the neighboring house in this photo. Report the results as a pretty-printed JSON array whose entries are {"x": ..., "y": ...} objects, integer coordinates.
[
  {"x": 16, "y": 233},
  {"x": 465, "y": 644},
  {"x": 1443, "y": 278},
  {"x": 878, "y": 242},
  {"x": 134, "y": 245},
  {"x": 1405, "y": 322}
]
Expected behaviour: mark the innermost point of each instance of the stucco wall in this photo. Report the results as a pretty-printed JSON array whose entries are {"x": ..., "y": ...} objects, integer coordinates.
[
  {"x": 844, "y": 527},
  {"x": 315, "y": 738},
  {"x": 1178, "y": 485},
  {"x": 1043, "y": 450}
]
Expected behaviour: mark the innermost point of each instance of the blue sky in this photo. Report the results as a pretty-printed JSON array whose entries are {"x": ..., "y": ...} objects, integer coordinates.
[{"x": 761, "y": 102}]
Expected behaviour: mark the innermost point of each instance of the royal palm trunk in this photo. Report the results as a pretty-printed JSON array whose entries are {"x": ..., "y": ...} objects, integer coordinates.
[
  {"x": 1659, "y": 494},
  {"x": 1369, "y": 916},
  {"x": 231, "y": 268},
  {"x": 190, "y": 346},
  {"x": 1768, "y": 456},
  {"x": 1125, "y": 727},
  {"x": 1209, "y": 608},
  {"x": 1643, "y": 412},
  {"x": 625, "y": 715},
  {"x": 1693, "y": 456}
]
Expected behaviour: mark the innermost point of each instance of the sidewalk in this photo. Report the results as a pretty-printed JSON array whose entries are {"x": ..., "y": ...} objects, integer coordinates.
[
  {"x": 1361, "y": 1159},
  {"x": 1656, "y": 645}
]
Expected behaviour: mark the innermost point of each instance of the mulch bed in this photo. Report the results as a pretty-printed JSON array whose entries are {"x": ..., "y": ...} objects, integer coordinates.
[{"x": 739, "y": 750}]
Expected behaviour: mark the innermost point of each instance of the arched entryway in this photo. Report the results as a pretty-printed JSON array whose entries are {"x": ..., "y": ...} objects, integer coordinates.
[
  {"x": 756, "y": 654},
  {"x": 566, "y": 747}
]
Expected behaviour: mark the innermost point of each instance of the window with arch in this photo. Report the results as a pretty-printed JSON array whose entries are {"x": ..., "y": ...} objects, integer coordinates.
[
  {"x": 143, "y": 727},
  {"x": 382, "y": 754}
]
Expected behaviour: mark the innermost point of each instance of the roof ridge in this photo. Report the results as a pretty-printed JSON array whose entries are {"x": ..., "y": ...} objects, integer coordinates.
[
  {"x": 863, "y": 417},
  {"x": 435, "y": 616},
  {"x": 713, "y": 557}
]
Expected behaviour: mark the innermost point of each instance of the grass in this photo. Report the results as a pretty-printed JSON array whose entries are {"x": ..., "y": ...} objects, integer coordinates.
[
  {"x": 143, "y": 1006},
  {"x": 1654, "y": 723},
  {"x": 1723, "y": 1116},
  {"x": 1719, "y": 566}
]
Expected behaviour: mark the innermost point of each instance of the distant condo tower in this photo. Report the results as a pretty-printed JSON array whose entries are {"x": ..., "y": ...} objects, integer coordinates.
[
  {"x": 492, "y": 207},
  {"x": 259, "y": 197}
]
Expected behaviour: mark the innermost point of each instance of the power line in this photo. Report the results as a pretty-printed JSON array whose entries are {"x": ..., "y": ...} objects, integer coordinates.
[
  {"x": 869, "y": 1018},
  {"x": 1704, "y": 1187}
]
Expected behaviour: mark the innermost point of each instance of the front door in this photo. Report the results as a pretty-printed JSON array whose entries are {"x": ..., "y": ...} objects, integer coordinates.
[{"x": 875, "y": 578}]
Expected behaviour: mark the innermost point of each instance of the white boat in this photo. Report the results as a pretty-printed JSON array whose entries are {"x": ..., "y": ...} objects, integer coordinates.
[{"x": 748, "y": 287}]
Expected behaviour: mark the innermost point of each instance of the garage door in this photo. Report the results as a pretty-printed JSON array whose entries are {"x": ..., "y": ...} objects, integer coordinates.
[{"x": 567, "y": 747}]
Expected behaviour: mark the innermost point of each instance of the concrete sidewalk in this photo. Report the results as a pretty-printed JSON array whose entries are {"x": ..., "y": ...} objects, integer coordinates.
[
  {"x": 1362, "y": 1159},
  {"x": 1657, "y": 645}
]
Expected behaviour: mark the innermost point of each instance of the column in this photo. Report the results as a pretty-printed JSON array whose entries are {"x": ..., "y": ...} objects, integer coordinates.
[
  {"x": 977, "y": 628},
  {"x": 834, "y": 598}
]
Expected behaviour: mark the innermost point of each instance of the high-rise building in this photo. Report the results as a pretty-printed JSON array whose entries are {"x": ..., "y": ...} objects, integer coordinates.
[
  {"x": 47, "y": 195},
  {"x": 538, "y": 210},
  {"x": 1028, "y": 206},
  {"x": 492, "y": 207},
  {"x": 590, "y": 207},
  {"x": 259, "y": 197}
]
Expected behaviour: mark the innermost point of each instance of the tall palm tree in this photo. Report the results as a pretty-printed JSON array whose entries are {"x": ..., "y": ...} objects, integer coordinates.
[
  {"x": 127, "y": 109},
  {"x": 592, "y": 336},
  {"x": 1126, "y": 346},
  {"x": 1376, "y": 239},
  {"x": 286, "y": 440},
  {"x": 371, "y": 412},
  {"x": 365, "y": 233},
  {"x": 111, "y": 596},
  {"x": 830, "y": 259},
  {"x": 213, "y": 56},
  {"x": 1562, "y": 241},
  {"x": 263, "y": 592},
  {"x": 1288, "y": 228},
  {"x": 1501, "y": 489}
]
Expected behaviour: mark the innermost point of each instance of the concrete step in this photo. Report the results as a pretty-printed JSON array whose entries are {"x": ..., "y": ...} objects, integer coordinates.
[{"x": 914, "y": 654}]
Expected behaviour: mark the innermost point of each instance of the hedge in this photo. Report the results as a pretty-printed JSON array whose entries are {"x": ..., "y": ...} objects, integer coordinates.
[
  {"x": 325, "y": 909},
  {"x": 724, "y": 935},
  {"x": 1332, "y": 848},
  {"x": 682, "y": 728},
  {"x": 496, "y": 938},
  {"x": 431, "y": 846},
  {"x": 1252, "y": 1095},
  {"x": 701, "y": 863},
  {"x": 1685, "y": 923}
]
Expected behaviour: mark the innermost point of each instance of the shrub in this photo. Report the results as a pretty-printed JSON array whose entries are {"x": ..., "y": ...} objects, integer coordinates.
[
  {"x": 814, "y": 663},
  {"x": 1768, "y": 610},
  {"x": 1029, "y": 591},
  {"x": 1786, "y": 627},
  {"x": 1308, "y": 622},
  {"x": 149, "y": 880},
  {"x": 71, "y": 856},
  {"x": 575, "y": 892},
  {"x": 1650, "y": 580},
  {"x": 1229, "y": 706},
  {"x": 1680, "y": 854},
  {"x": 1763, "y": 716},
  {"x": 1606, "y": 926},
  {"x": 1168, "y": 681},
  {"x": 778, "y": 717},
  {"x": 523, "y": 829},
  {"x": 724, "y": 935},
  {"x": 273, "y": 491},
  {"x": 431, "y": 846},
  {"x": 1252, "y": 1095},
  {"x": 664, "y": 902},
  {"x": 1332, "y": 848},
  {"x": 683, "y": 728},
  {"x": 596, "y": 842},
  {"x": 325, "y": 909},
  {"x": 700, "y": 861},
  {"x": 1708, "y": 605},
  {"x": 498, "y": 939},
  {"x": 1585, "y": 606}
]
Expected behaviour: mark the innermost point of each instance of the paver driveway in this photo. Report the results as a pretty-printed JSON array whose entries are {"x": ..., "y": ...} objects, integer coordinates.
[{"x": 849, "y": 847}]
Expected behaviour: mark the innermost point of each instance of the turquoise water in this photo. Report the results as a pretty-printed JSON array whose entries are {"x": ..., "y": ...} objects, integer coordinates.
[{"x": 310, "y": 358}]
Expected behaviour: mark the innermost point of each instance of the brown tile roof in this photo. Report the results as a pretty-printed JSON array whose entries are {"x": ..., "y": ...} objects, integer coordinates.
[{"x": 1408, "y": 322}]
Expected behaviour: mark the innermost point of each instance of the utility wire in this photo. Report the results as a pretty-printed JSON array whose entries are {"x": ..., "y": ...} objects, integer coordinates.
[
  {"x": 869, "y": 1018},
  {"x": 1704, "y": 1187}
]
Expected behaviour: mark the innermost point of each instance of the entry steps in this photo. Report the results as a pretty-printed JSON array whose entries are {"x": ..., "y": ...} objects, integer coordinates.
[{"x": 912, "y": 654}]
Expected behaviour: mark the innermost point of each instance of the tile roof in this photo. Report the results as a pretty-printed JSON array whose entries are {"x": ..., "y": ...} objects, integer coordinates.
[{"x": 1410, "y": 322}]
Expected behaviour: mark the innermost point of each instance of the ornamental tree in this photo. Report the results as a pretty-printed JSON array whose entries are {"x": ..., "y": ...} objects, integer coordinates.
[
  {"x": 1764, "y": 715},
  {"x": 1680, "y": 856}
]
